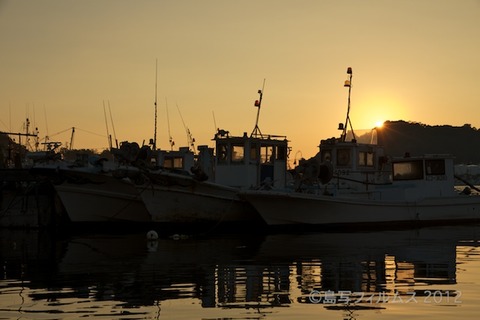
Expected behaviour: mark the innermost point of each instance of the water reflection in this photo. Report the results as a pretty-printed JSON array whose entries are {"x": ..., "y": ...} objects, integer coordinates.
[{"x": 128, "y": 276}]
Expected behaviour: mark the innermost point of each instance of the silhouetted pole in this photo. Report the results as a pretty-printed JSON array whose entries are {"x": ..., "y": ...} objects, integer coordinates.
[
  {"x": 348, "y": 83},
  {"x": 258, "y": 103},
  {"x": 155, "y": 104}
]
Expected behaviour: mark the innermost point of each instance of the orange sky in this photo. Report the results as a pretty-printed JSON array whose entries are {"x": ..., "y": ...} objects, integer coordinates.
[{"x": 61, "y": 59}]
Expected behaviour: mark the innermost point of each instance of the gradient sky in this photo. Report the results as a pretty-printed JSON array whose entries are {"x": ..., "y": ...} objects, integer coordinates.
[{"x": 414, "y": 60}]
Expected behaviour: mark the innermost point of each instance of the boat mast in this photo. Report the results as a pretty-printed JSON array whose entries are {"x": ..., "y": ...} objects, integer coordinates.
[
  {"x": 155, "y": 104},
  {"x": 71, "y": 139},
  {"x": 258, "y": 103},
  {"x": 348, "y": 83}
]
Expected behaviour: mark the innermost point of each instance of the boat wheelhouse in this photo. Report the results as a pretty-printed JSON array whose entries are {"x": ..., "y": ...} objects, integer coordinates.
[
  {"x": 355, "y": 166},
  {"x": 207, "y": 190},
  {"x": 250, "y": 162},
  {"x": 181, "y": 159}
]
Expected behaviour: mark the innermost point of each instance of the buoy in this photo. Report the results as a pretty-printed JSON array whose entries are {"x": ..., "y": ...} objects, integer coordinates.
[
  {"x": 152, "y": 246},
  {"x": 152, "y": 235}
]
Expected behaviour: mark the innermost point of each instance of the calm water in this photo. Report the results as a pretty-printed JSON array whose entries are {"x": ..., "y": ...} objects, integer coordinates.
[{"x": 430, "y": 272}]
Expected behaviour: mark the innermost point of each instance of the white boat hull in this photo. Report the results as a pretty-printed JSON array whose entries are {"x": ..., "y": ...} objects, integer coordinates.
[
  {"x": 102, "y": 198},
  {"x": 278, "y": 208},
  {"x": 180, "y": 199}
]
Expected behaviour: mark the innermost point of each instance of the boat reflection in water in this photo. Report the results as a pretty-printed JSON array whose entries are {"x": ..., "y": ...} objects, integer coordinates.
[{"x": 241, "y": 276}]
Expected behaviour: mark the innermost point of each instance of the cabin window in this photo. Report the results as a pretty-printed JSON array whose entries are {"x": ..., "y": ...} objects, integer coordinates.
[
  {"x": 173, "y": 163},
  {"x": 238, "y": 153},
  {"x": 222, "y": 153},
  {"x": 365, "y": 159},
  {"x": 435, "y": 167},
  {"x": 168, "y": 163},
  {"x": 266, "y": 154},
  {"x": 343, "y": 157},
  {"x": 409, "y": 170}
]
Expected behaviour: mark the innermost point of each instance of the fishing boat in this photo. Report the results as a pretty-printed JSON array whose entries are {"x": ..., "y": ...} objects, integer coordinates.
[
  {"x": 172, "y": 193},
  {"x": 188, "y": 189},
  {"x": 99, "y": 197},
  {"x": 91, "y": 191},
  {"x": 179, "y": 196},
  {"x": 349, "y": 182},
  {"x": 176, "y": 198}
]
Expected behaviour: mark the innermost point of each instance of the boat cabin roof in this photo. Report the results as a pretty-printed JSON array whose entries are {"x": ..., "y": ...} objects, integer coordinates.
[{"x": 223, "y": 135}]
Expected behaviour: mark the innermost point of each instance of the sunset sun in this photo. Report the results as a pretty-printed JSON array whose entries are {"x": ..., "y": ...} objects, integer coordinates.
[{"x": 379, "y": 124}]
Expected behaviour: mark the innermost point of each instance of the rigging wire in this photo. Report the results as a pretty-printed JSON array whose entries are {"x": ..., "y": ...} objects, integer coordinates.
[
  {"x": 46, "y": 123},
  {"x": 214, "y": 122},
  {"x": 170, "y": 139},
  {"x": 113, "y": 126},
  {"x": 106, "y": 125},
  {"x": 190, "y": 139}
]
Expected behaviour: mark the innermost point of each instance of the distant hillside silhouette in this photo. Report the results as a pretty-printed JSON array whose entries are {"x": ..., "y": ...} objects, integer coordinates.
[{"x": 399, "y": 137}]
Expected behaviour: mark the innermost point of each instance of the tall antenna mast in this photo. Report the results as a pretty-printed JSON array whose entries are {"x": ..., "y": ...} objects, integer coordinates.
[
  {"x": 348, "y": 84},
  {"x": 155, "y": 129},
  {"x": 258, "y": 103}
]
